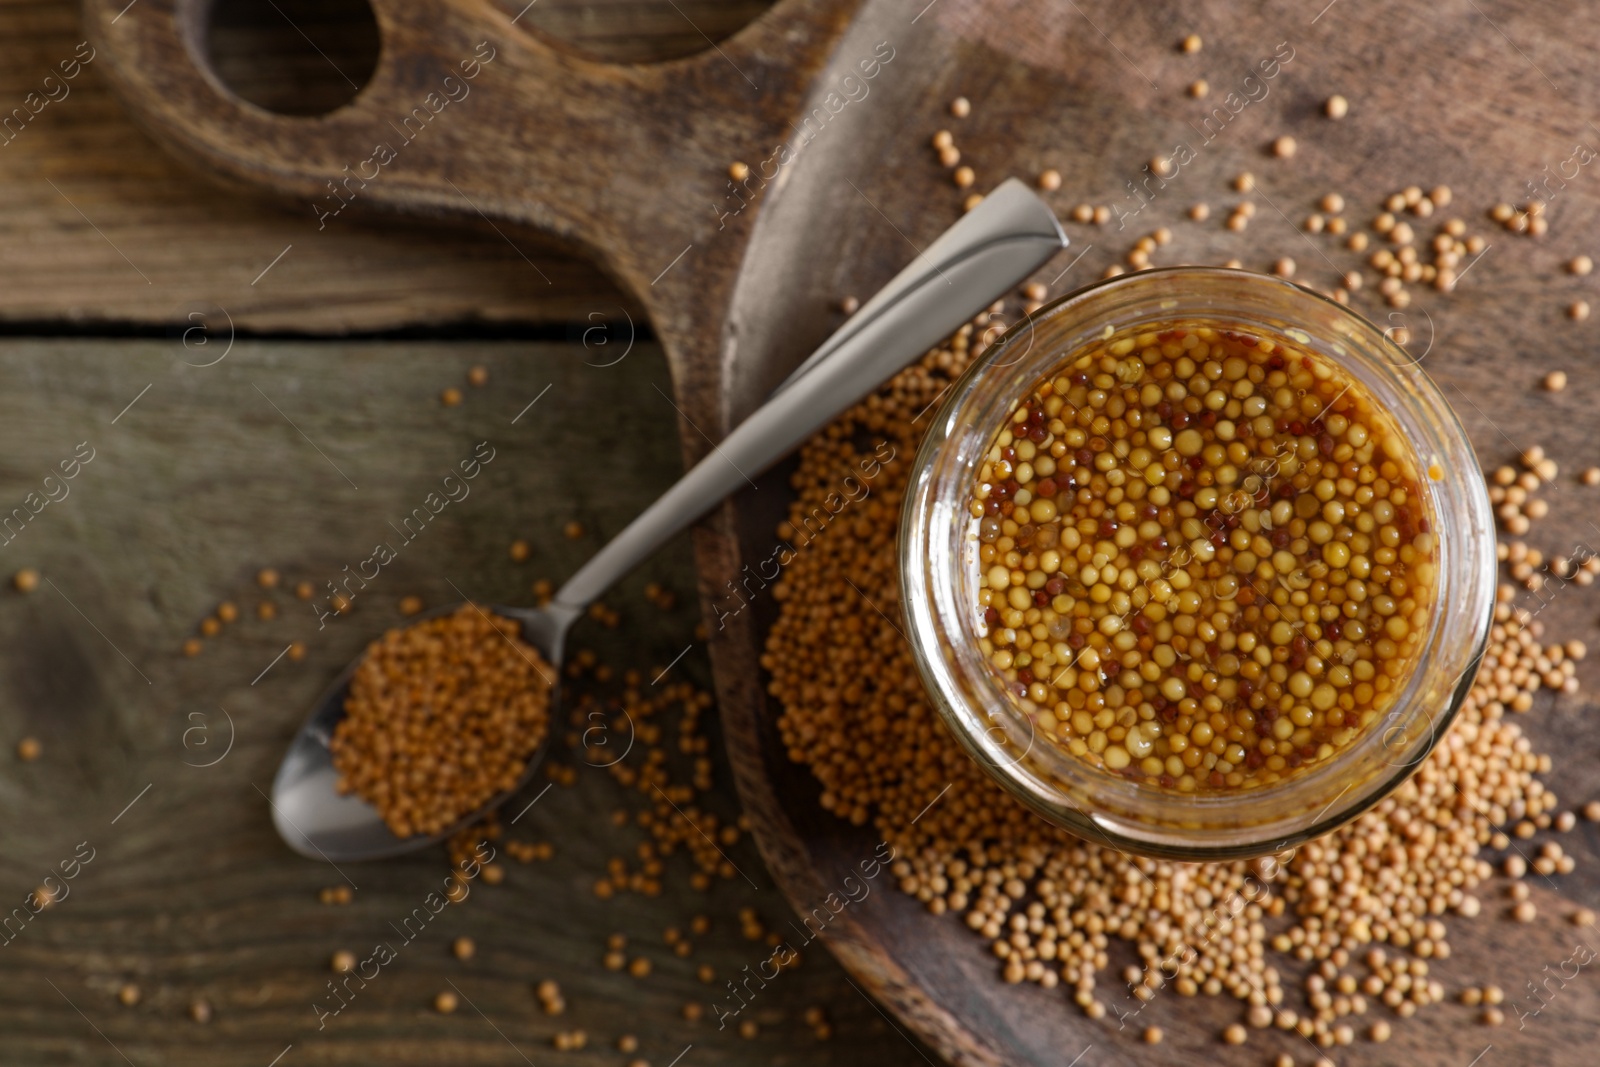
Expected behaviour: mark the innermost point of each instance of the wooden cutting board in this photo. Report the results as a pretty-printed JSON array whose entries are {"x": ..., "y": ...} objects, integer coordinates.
[{"x": 630, "y": 164}]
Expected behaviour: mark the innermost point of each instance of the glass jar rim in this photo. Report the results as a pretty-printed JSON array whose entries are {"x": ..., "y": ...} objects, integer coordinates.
[{"x": 1090, "y": 802}]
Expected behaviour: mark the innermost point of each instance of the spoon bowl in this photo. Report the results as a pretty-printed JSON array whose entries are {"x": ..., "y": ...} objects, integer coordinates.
[{"x": 319, "y": 822}]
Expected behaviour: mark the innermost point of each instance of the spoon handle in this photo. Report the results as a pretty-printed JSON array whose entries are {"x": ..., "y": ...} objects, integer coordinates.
[{"x": 992, "y": 248}]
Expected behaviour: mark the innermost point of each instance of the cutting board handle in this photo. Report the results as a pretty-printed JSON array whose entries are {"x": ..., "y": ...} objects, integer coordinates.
[{"x": 469, "y": 114}]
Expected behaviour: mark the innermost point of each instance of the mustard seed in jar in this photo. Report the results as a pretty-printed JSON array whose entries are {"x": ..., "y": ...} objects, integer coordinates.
[{"x": 1205, "y": 560}]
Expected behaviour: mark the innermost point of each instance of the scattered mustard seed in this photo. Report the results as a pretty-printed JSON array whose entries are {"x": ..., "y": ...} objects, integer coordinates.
[
  {"x": 26, "y": 580},
  {"x": 1283, "y": 147},
  {"x": 1555, "y": 381},
  {"x": 28, "y": 749},
  {"x": 1199, "y": 88},
  {"x": 478, "y": 377},
  {"x": 1050, "y": 180},
  {"x": 1337, "y": 107},
  {"x": 963, "y": 177},
  {"x": 450, "y": 397},
  {"x": 1190, "y": 44},
  {"x": 128, "y": 995},
  {"x": 738, "y": 171},
  {"x": 960, "y": 107},
  {"x": 1580, "y": 265},
  {"x": 445, "y": 1003}
]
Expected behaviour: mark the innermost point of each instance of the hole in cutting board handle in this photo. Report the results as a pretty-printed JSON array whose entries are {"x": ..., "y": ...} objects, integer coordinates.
[{"x": 293, "y": 57}]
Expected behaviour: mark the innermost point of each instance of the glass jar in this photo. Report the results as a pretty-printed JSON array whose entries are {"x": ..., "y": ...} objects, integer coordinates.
[{"x": 939, "y": 573}]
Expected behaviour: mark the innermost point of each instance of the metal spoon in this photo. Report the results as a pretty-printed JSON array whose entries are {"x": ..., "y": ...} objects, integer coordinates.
[{"x": 994, "y": 247}]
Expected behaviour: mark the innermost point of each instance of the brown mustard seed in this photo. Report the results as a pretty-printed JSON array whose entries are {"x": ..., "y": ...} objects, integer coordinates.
[
  {"x": 200, "y": 1011},
  {"x": 519, "y": 551},
  {"x": 411, "y": 605},
  {"x": 266, "y": 611},
  {"x": 880, "y": 755},
  {"x": 463, "y": 948},
  {"x": 304, "y": 590},
  {"x": 450, "y": 397},
  {"x": 440, "y": 717},
  {"x": 572, "y": 530},
  {"x": 1054, "y": 537},
  {"x": 627, "y": 1043}
]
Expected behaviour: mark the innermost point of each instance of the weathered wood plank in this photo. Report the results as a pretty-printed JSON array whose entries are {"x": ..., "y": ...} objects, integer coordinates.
[
  {"x": 189, "y": 892},
  {"x": 102, "y": 226}
]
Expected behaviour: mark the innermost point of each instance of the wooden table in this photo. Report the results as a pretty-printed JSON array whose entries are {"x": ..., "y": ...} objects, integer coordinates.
[
  {"x": 322, "y": 422},
  {"x": 294, "y": 451}
]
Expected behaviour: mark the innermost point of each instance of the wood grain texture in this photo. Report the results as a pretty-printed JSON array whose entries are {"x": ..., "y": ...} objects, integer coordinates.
[
  {"x": 102, "y": 227},
  {"x": 190, "y": 893},
  {"x": 1096, "y": 91}
]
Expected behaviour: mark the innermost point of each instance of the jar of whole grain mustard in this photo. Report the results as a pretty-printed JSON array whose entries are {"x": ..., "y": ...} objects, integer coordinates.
[{"x": 1197, "y": 563}]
